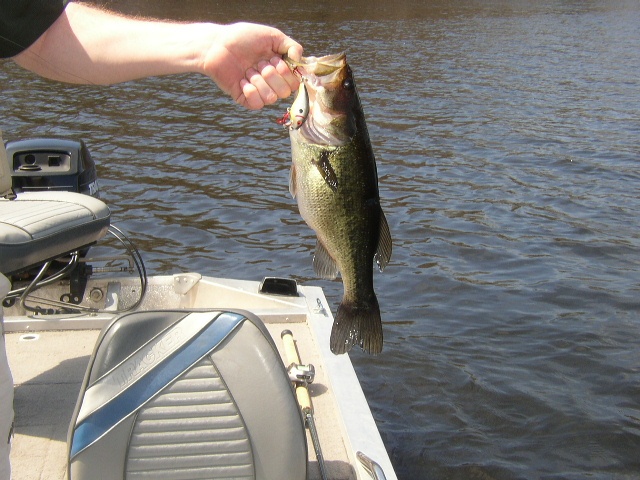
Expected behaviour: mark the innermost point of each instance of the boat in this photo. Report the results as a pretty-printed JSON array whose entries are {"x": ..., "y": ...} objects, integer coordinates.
[{"x": 119, "y": 374}]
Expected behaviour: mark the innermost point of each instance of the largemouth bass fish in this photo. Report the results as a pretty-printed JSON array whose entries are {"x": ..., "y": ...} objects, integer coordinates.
[{"x": 335, "y": 182}]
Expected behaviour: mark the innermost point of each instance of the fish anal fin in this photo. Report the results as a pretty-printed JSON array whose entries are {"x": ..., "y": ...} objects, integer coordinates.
[
  {"x": 323, "y": 263},
  {"x": 385, "y": 244}
]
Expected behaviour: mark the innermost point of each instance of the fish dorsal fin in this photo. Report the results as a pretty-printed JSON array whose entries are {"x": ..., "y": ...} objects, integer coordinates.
[
  {"x": 326, "y": 170},
  {"x": 383, "y": 252},
  {"x": 292, "y": 181},
  {"x": 323, "y": 263}
]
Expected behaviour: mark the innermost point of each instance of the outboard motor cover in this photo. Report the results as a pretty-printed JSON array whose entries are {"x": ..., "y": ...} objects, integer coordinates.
[{"x": 52, "y": 164}]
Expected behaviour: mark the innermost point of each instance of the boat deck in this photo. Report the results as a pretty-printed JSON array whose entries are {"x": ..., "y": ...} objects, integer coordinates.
[
  {"x": 48, "y": 368},
  {"x": 49, "y": 356}
]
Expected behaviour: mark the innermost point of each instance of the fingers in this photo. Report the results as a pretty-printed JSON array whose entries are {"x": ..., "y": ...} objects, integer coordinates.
[
  {"x": 251, "y": 96},
  {"x": 294, "y": 51},
  {"x": 287, "y": 45},
  {"x": 285, "y": 72},
  {"x": 266, "y": 84}
]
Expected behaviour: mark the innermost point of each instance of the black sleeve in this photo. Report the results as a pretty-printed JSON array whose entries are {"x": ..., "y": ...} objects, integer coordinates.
[{"x": 23, "y": 21}]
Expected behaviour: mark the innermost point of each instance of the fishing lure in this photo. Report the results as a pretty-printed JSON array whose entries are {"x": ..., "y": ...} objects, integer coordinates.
[{"x": 296, "y": 115}]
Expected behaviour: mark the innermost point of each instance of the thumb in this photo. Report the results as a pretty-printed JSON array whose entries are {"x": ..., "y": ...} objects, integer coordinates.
[{"x": 294, "y": 52}]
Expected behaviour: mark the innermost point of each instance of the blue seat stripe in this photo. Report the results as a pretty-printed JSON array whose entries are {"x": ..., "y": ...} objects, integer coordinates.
[{"x": 113, "y": 412}]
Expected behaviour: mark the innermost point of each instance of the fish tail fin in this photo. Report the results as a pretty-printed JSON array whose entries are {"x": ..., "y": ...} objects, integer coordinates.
[{"x": 357, "y": 325}]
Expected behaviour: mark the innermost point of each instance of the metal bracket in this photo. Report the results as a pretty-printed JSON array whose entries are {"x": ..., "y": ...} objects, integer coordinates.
[
  {"x": 372, "y": 467},
  {"x": 78, "y": 283},
  {"x": 184, "y": 282}
]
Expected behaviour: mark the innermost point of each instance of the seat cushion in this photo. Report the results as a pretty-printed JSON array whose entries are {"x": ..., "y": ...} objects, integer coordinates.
[
  {"x": 189, "y": 395},
  {"x": 41, "y": 226}
]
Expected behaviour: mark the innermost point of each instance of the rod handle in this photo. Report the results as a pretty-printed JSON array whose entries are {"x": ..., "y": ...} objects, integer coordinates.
[
  {"x": 290, "y": 350},
  {"x": 291, "y": 353}
]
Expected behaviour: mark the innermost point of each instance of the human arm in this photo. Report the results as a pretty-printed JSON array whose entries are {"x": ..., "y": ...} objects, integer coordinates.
[{"x": 90, "y": 45}]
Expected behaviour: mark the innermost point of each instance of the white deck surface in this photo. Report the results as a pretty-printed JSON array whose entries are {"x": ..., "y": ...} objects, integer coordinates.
[{"x": 47, "y": 373}]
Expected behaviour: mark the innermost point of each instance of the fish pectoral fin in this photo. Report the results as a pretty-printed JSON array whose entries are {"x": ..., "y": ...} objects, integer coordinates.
[
  {"x": 292, "y": 181},
  {"x": 323, "y": 263},
  {"x": 326, "y": 170},
  {"x": 383, "y": 252}
]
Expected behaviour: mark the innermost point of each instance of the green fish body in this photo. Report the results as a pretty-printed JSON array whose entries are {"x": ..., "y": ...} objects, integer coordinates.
[{"x": 335, "y": 182}]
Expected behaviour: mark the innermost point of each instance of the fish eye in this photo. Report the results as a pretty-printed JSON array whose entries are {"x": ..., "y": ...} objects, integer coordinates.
[{"x": 347, "y": 84}]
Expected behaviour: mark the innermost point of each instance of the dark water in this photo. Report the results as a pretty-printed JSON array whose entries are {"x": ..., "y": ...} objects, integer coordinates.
[{"x": 507, "y": 142}]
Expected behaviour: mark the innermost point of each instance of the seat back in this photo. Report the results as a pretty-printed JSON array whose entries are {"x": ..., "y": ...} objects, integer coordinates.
[{"x": 186, "y": 395}]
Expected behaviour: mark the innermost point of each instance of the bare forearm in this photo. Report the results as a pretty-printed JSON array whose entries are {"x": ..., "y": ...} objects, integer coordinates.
[{"x": 89, "y": 46}]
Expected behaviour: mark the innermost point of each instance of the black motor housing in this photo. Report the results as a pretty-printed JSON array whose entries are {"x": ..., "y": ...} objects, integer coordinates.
[{"x": 52, "y": 164}]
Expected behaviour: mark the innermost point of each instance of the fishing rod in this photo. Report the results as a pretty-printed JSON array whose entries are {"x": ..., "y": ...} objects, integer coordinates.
[{"x": 301, "y": 376}]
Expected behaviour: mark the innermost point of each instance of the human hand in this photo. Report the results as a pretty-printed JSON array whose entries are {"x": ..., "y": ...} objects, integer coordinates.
[{"x": 245, "y": 60}]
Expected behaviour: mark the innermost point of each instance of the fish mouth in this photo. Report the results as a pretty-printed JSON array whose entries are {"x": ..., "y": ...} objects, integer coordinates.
[
  {"x": 319, "y": 71},
  {"x": 318, "y": 66},
  {"x": 320, "y": 75}
]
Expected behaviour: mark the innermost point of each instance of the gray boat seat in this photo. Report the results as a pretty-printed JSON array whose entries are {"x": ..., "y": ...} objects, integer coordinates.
[
  {"x": 39, "y": 226},
  {"x": 186, "y": 394}
]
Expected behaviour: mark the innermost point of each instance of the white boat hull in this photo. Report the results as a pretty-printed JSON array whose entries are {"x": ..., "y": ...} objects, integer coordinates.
[{"x": 36, "y": 342}]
